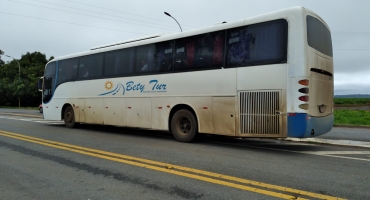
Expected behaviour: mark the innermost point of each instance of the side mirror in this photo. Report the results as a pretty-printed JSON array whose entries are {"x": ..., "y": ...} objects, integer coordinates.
[{"x": 40, "y": 84}]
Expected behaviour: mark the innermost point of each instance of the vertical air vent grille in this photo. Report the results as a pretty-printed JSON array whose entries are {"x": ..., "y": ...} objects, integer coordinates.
[{"x": 259, "y": 112}]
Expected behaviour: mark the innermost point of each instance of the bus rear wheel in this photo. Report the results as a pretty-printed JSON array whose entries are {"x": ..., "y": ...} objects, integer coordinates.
[
  {"x": 184, "y": 126},
  {"x": 69, "y": 117}
]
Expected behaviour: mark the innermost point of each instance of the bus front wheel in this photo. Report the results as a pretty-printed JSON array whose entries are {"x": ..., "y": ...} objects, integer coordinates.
[
  {"x": 69, "y": 117},
  {"x": 184, "y": 126}
]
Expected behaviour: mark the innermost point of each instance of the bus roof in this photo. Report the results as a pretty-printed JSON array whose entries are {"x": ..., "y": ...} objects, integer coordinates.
[
  {"x": 132, "y": 40},
  {"x": 165, "y": 36}
]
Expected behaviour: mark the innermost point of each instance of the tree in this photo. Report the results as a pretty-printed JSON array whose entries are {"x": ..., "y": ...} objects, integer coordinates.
[
  {"x": 25, "y": 88},
  {"x": 1, "y": 61}
]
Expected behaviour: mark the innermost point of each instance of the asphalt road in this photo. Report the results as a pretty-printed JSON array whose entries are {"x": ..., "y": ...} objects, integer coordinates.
[{"x": 44, "y": 160}]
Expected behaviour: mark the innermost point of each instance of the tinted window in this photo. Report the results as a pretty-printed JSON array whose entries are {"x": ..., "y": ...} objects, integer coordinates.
[
  {"x": 67, "y": 70},
  {"x": 318, "y": 36},
  {"x": 264, "y": 43},
  {"x": 90, "y": 66},
  {"x": 49, "y": 82},
  {"x": 145, "y": 58},
  {"x": 201, "y": 51},
  {"x": 119, "y": 62},
  {"x": 163, "y": 56}
]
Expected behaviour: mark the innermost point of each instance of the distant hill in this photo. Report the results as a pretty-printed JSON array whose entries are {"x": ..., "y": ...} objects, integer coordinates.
[{"x": 352, "y": 96}]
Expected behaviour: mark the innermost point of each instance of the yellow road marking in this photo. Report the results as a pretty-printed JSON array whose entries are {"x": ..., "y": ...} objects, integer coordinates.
[{"x": 168, "y": 168}]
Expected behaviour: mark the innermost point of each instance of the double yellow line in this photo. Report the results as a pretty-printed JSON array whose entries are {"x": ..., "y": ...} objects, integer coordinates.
[{"x": 220, "y": 179}]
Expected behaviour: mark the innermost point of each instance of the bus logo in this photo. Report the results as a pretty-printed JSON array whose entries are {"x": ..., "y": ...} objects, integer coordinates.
[
  {"x": 108, "y": 85},
  {"x": 130, "y": 86}
]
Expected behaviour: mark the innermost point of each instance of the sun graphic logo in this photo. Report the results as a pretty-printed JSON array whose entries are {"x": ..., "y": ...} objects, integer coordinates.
[{"x": 108, "y": 85}]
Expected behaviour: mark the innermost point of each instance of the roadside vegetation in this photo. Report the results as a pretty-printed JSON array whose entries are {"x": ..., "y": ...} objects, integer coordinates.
[
  {"x": 18, "y": 79},
  {"x": 352, "y": 111},
  {"x": 351, "y": 102},
  {"x": 352, "y": 117}
]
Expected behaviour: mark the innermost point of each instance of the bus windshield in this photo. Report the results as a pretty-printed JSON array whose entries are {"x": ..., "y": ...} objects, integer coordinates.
[{"x": 49, "y": 79}]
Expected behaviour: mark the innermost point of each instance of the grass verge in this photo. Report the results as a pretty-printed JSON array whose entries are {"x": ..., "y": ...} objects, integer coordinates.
[
  {"x": 352, "y": 101},
  {"x": 352, "y": 117}
]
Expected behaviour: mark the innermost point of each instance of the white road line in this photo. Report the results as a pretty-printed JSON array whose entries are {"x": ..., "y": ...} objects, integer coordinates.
[
  {"x": 49, "y": 122},
  {"x": 316, "y": 153},
  {"x": 30, "y": 120},
  {"x": 34, "y": 120},
  {"x": 337, "y": 152}
]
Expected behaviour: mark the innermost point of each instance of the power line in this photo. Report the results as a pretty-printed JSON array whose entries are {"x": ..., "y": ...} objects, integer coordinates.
[
  {"x": 86, "y": 15},
  {"x": 73, "y": 23},
  {"x": 352, "y": 33},
  {"x": 98, "y": 13},
  {"x": 351, "y": 49},
  {"x": 124, "y": 12}
]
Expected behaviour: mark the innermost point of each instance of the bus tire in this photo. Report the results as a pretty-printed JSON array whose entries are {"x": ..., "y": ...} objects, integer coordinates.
[
  {"x": 69, "y": 117},
  {"x": 184, "y": 126}
]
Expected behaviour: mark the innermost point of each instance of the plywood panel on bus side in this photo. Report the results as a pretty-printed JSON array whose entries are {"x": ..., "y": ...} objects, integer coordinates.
[
  {"x": 161, "y": 108},
  {"x": 203, "y": 109},
  {"x": 114, "y": 111},
  {"x": 224, "y": 115},
  {"x": 138, "y": 112},
  {"x": 94, "y": 111}
]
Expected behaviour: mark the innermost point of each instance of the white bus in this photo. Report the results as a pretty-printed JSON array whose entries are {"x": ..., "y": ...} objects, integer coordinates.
[{"x": 266, "y": 76}]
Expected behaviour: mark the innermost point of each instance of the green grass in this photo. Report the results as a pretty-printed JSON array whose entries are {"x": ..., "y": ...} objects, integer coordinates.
[
  {"x": 352, "y": 101},
  {"x": 352, "y": 117}
]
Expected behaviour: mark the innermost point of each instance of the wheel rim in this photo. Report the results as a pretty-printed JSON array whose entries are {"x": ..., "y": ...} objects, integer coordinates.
[{"x": 184, "y": 126}]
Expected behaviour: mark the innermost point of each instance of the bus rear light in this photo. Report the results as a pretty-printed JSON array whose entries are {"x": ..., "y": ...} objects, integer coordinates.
[
  {"x": 304, "y": 90},
  {"x": 303, "y": 106},
  {"x": 303, "y": 98},
  {"x": 205, "y": 108},
  {"x": 304, "y": 82},
  {"x": 292, "y": 114}
]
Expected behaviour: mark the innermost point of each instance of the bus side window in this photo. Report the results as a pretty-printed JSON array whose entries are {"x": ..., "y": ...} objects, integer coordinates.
[
  {"x": 83, "y": 71},
  {"x": 200, "y": 52},
  {"x": 258, "y": 44},
  {"x": 127, "y": 61},
  {"x": 67, "y": 70},
  {"x": 112, "y": 63},
  {"x": 184, "y": 53},
  {"x": 209, "y": 50},
  {"x": 163, "y": 56},
  {"x": 91, "y": 66},
  {"x": 96, "y": 65},
  {"x": 145, "y": 58}
]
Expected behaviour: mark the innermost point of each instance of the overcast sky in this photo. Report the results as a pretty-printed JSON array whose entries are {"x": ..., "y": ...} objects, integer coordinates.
[{"x": 61, "y": 27}]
